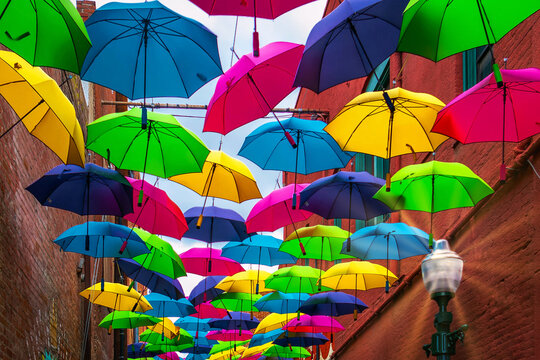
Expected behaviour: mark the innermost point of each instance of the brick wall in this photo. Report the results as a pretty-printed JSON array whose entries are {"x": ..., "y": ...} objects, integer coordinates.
[{"x": 499, "y": 239}]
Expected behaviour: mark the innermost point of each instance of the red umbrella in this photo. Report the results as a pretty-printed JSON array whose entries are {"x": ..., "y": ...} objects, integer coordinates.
[
  {"x": 156, "y": 212},
  {"x": 266, "y": 9},
  {"x": 252, "y": 87},
  {"x": 207, "y": 262},
  {"x": 314, "y": 324},
  {"x": 208, "y": 311},
  {"x": 495, "y": 109}
]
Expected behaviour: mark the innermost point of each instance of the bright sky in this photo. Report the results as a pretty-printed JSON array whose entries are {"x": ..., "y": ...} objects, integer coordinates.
[{"x": 293, "y": 26}]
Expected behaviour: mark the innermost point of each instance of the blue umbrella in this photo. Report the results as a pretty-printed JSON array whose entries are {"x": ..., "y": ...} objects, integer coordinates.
[
  {"x": 350, "y": 42},
  {"x": 258, "y": 249},
  {"x": 281, "y": 303},
  {"x": 136, "y": 350},
  {"x": 333, "y": 304},
  {"x": 147, "y": 50},
  {"x": 235, "y": 321},
  {"x": 155, "y": 281},
  {"x": 197, "y": 352},
  {"x": 291, "y": 338},
  {"x": 205, "y": 290},
  {"x": 165, "y": 306},
  {"x": 190, "y": 323},
  {"x": 199, "y": 339},
  {"x": 265, "y": 338},
  {"x": 218, "y": 225}
]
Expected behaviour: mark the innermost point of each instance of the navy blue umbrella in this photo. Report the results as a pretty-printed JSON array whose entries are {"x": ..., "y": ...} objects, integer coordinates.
[
  {"x": 136, "y": 350},
  {"x": 291, "y": 338},
  {"x": 154, "y": 281},
  {"x": 235, "y": 321},
  {"x": 205, "y": 290},
  {"x": 218, "y": 225},
  {"x": 197, "y": 352},
  {"x": 332, "y": 304},
  {"x": 350, "y": 42}
]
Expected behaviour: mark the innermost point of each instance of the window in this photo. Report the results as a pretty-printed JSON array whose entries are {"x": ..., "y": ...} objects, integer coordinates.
[
  {"x": 337, "y": 222},
  {"x": 477, "y": 64},
  {"x": 337, "y": 261},
  {"x": 306, "y": 262}
]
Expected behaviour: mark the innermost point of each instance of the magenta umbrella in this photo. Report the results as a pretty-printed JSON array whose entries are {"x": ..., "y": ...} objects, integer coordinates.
[
  {"x": 252, "y": 87},
  {"x": 208, "y": 262},
  {"x": 208, "y": 311},
  {"x": 169, "y": 356},
  {"x": 156, "y": 213},
  {"x": 494, "y": 110},
  {"x": 229, "y": 335},
  {"x": 314, "y": 324},
  {"x": 275, "y": 210}
]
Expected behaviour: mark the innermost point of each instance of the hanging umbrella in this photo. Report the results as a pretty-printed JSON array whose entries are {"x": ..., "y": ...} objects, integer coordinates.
[
  {"x": 167, "y": 348},
  {"x": 398, "y": 122},
  {"x": 314, "y": 324},
  {"x": 45, "y": 33},
  {"x": 116, "y": 297},
  {"x": 252, "y": 87},
  {"x": 228, "y": 354},
  {"x": 236, "y": 301},
  {"x": 252, "y": 351},
  {"x": 281, "y": 303},
  {"x": 434, "y": 186},
  {"x": 205, "y": 262},
  {"x": 218, "y": 224},
  {"x": 248, "y": 281},
  {"x": 275, "y": 210},
  {"x": 258, "y": 249},
  {"x": 156, "y": 213},
  {"x": 235, "y": 321},
  {"x": 127, "y": 320},
  {"x": 165, "y": 306},
  {"x": 138, "y": 350},
  {"x": 333, "y": 303},
  {"x": 147, "y": 50},
  {"x": 438, "y": 29},
  {"x": 350, "y": 42},
  {"x": 206, "y": 290},
  {"x": 265, "y": 338},
  {"x": 197, "y": 352},
  {"x": 41, "y": 106},
  {"x": 357, "y": 275},
  {"x": 158, "y": 283},
  {"x": 162, "y": 147},
  {"x": 166, "y": 327},
  {"x": 295, "y": 279},
  {"x": 226, "y": 345},
  {"x": 292, "y": 352},
  {"x": 200, "y": 339},
  {"x": 273, "y": 322},
  {"x": 229, "y": 335},
  {"x": 209, "y": 311},
  {"x": 301, "y": 339},
  {"x": 183, "y": 340},
  {"x": 190, "y": 323},
  {"x": 171, "y": 355},
  {"x": 494, "y": 110}
]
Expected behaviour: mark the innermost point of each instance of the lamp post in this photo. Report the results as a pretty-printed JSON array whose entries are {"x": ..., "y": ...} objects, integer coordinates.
[{"x": 441, "y": 271}]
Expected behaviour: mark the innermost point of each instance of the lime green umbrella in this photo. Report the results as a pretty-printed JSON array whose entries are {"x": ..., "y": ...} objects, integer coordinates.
[
  {"x": 162, "y": 147},
  {"x": 157, "y": 338},
  {"x": 127, "y": 320},
  {"x": 45, "y": 32},
  {"x": 434, "y": 186},
  {"x": 321, "y": 242},
  {"x": 295, "y": 279},
  {"x": 436, "y": 29},
  {"x": 236, "y": 301},
  {"x": 226, "y": 345},
  {"x": 290, "y": 352},
  {"x": 166, "y": 348}
]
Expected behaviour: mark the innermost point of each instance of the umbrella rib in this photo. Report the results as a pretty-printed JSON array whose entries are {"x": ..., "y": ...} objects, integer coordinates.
[
  {"x": 440, "y": 28},
  {"x": 513, "y": 112},
  {"x": 465, "y": 188},
  {"x": 129, "y": 146},
  {"x": 186, "y": 145},
  {"x": 372, "y": 112},
  {"x": 161, "y": 150}
]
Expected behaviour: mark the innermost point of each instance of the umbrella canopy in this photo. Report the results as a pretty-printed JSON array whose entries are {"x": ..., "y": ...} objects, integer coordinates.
[
  {"x": 165, "y": 306},
  {"x": 166, "y": 327},
  {"x": 156, "y": 338},
  {"x": 226, "y": 345},
  {"x": 236, "y": 301},
  {"x": 197, "y": 352},
  {"x": 167, "y": 348},
  {"x": 252, "y": 87},
  {"x": 281, "y": 303},
  {"x": 301, "y": 339},
  {"x": 357, "y": 275},
  {"x": 147, "y": 50},
  {"x": 127, "y": 320},
  {"x": 218, "y": 224},
  {"x": 162, "y": 147},
  {"x": 438, "y": 29},
  {"x": 40, "y": 104},
  {"x": 258, "y": 249},
  {"x": 322, "y": 242},
  {"x": 229, "y": 335},
  {"x": 268, "y": 147},
  {"x": 223, "y": 177},
  {"x": 248, "y": 281},
  {"x": 344, "y": 195},
  {"x": 294, "y": 279},
  {"x": 200, "y": 339},
  {"x": 205, "y": 262},
  {"x": 156, "y": 213},
  {"x": 190, "y": 323},
  {"x": 138, "y": 350},
  {"x": 292, "y": 352},
  {"x": 45, "y": 33},
  {"x": 265, "y": 338},
  {"x": 314, "y": 324},
  {"x": 102, "y": 239},
  {"x": 255, "y": 350},
  {"x": 153, "y": 280},
  {"x": 162, "y": 257},
  {"x": 273, "y": 322},
  {"x": 276, "y": 210},
  {"x": 235, "y": 321},
  {"x": 332, "y": 304},
  {"x": 266, "y": 9},
  {"x": 116, "y": 297},
  {"x": 208, "y": 311},
  {"x": 350, "y": 42},
  {"x": 206, "y": 289},
  {"x": 494, "y": 110}
]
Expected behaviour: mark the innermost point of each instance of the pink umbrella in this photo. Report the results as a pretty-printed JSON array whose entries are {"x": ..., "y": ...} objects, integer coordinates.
[
  {"x": 208, "y": 262},
  {"x": 169, "y": 356},
  {"x": 314, "y": 324},
  {"x": 208, "y": 311},
  {"x": 229, "y": 335},
  {"x": 156, "y": 213},
  {"x": 495, "y": 109},
  {"x": 275, "y": 210},
  {"x": 252, "y": 87}
]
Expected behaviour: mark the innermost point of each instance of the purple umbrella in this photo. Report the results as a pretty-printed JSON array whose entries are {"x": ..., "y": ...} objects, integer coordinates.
[
  {"x": 235, "y": 321},
  {"x": 333, "y": 304},
  {"x": 218, "y": 225},
  {"x": 154, "y": 281},
  {"x": 290, "y": 338},
  {"x": 136, "y": 350},
  {"x": 205, "y": 290}
]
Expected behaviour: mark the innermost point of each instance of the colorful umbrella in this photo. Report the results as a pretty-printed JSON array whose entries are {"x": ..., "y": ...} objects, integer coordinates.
[
  {"x": 137, "y": 350},
  {"x": 147, "y": 50},
  {"x": 273, "y": 322},
  {"x": 155, "y": 338},
  {"x": 258, "y": 249},
  {"x": 165, "y": 327},
  {"x": 41, "y": 105},
  {"x": 206, "y": 290},
  {"x": 248, "y": 281},
  {"x": 156, "y": 213},
  {"x": 200, "y": 339},
  {"x": 252, "y": 87},
  {"x": 294, "y": 279},
  {"x": 229, "y": 335},
  {"x": 167, "y": 348},
  {"x": 302, "y": 339},
  {"x": 235, "y": 321},
  {"x": 333, "y": 303},
  {"x": 208, "y": 311},
  {"x": 438, "y": 29},
  {"x": 190, "y": 323},
  {"x": 45, "y": 33},
  {"x": 387, "y": 124},
  {"x": 218, "y": 224},
  {"x": 275, "y": 210},
  {"x": 165, "y": 306},
  {"x": 314, "y": 324},
  {"x": 197, "y": 352},
  {"x": 127, "y": 320},
  {"x": 350, "y": 42},
  {"x": 116, "y": 297},
  {"x": 226, "y": 345},
  {"x": 281, "y": 303},
  {"x": 494, "y": 110},
  {"x": 236, "y": 301},
  {"x": 205, "y": 262},
  {"x": 265, "y": 337},
  {"x": 252, "y": 351},
  {"x": 291, "y": 352},
  {"x": 357, "y": 275}
]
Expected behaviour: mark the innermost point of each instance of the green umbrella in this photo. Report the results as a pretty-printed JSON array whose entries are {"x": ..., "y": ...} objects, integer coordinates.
[
  {"x": 166, "y": 348},
  {"x": 434, "y": 186},
  {"x": 157, "y": 338},
  {"x": 318, "y": 242},
  {"x": 436, "y": 29},
  {"x": 233, "y": 301},
  {"x": 226, "y": 345},
  {"x": 290, "y": 352},
  {"x": 162, "y": 147},
  {"x": 45, "y": 32},
  {"x": 295, "y": 279},
  {"x": 127, "y": 320}
]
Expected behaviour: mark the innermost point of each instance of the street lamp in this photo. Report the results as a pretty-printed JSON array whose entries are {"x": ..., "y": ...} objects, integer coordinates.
[{"x": 441, "y": 271}]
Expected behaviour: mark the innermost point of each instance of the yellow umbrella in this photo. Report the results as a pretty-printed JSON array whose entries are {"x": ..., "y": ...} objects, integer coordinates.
[
  {"x": 227, "y": 354},
  {"x": 388, "y": 123},
  {"x": 357, "y": 275},
  {"x": 42, "y": 107},
  {"x": 274, "y": 321},
  {"x": 223, "y": 177},
  {"x": 116, "y": 296},
  {"x": 249, "y": 281},
  {"x": 165, "y": 327},
  {"x": 256, "y": 350}
]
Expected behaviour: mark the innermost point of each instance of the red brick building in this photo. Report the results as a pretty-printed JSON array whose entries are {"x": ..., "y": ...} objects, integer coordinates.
[{"x": 499, "y": 239}]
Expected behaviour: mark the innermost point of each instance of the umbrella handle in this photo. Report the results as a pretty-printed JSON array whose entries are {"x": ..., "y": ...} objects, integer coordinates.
[
  {"x": 123, "y": 247},
  {"x": 255, "y": 44},
  {"x": 294, "y": 201},
  {"x": 144, "y": 118},
  {"x": 110, "y": 330},
  {"x": 131, "y": 286},
  {"x": 141, "y": 194},
  {"x": 355, "y": 313},
  {"x": 199, "y": 221},
  {"x": 302, "y": 247},
  {"x": 290, "y": 139},
  {"x": 102, "y": 283},
  {"x": 498, "y": 76},
  {"x": 388, "y": 181},
  {"x": 349, "y": 244}
]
